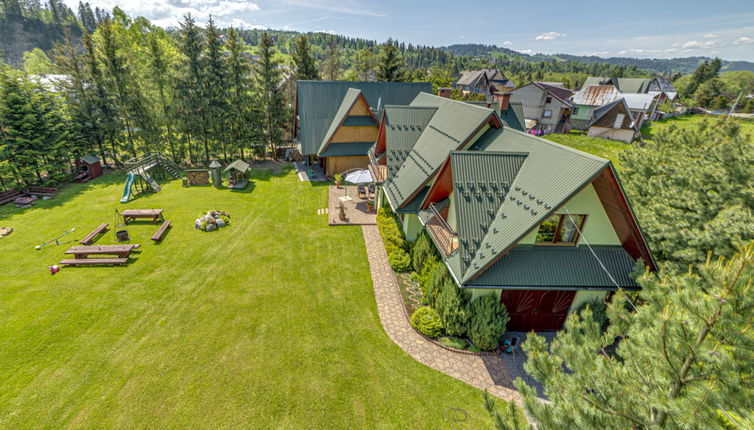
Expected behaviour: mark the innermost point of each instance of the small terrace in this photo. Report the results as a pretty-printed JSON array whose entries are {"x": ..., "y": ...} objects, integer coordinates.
[
  {"x": 437, "y": 226},
  {"x": 347, "y": 206}
]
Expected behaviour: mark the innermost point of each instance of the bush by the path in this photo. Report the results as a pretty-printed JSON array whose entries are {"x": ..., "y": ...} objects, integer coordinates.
[
  {"x": 399, "y": 260},
  {"x": 488, "y": 320},
  {"x": 427, "y": 321}
]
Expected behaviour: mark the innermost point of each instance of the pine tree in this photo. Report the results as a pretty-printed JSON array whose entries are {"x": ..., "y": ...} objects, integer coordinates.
[
  {"x": 160, "y": 74},
  {"x": 306, "y": 66},
  {"x": 188, "y": 89},
  {"x": 86, "y": 16},
  {"x": 331, "y": 64},
  {"x": 267, "y": 80},
  {"x": 242, "y": 118},
  {"x": 678, "y": 358},
  {"x": 390, "y": 67},
  {"x": 214, "y": 92},
  {"x": 364, "y": 63}
]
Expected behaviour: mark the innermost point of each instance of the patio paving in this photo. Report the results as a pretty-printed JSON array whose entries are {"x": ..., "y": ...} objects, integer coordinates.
[
  {"x": 485, "y": 372},
  {"x": 355, "y": 208},
  {"x": 302, "y": 170},
  {"x": 515, "y": 361}
]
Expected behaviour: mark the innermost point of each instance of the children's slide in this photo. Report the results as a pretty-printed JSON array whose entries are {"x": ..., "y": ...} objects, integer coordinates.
[{"x": 127, "y": 190}]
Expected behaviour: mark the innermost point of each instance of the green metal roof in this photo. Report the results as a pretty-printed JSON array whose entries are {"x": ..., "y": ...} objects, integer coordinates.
[
  {"x": 450, "y": 128},
  {"x": 550, "y": 175},
  {"x": 481, "y": 181},
  {"x": 319, "y": 101},
  {"x": 345, "y": 106},
  {"x": 239, "y": 165},
  {"x": 404, "y": 125},
  {"x": 514, "y": 116},
  {"x": 562, "y": 266},
  {"x": 342, "y": 149},
  {"x": 413, "y": 206}
]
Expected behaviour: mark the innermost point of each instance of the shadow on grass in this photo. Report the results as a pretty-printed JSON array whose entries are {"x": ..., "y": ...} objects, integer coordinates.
[{"x": 66, "y": 193}]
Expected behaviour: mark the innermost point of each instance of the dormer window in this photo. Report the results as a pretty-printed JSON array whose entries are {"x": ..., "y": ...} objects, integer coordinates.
[{"x": 560, "y": 230}]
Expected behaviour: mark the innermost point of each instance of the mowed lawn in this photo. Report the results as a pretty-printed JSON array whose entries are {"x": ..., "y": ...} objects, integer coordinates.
[{"x": 269, "y": 323}]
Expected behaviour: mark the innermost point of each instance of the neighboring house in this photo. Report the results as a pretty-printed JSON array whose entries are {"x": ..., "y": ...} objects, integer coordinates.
[
  {"x": 546, "y": 106},
  {"x": 542, "y": 226},
  {"x": 613, "y": 121},
  {"x": 336, "y": 121},
  {"x": 484, "y": 81},
  {"x": 658, "y": 86},
  {"x": 592, "y": 97}
]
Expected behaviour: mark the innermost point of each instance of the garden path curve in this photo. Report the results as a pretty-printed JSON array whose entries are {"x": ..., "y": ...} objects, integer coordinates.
[{"x": 486, "y": 372}]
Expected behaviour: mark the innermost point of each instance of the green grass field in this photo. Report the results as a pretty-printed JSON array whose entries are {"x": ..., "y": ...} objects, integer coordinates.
[
  {"x": 604, "y": 148},
  {"x": 270, "y": 323}
]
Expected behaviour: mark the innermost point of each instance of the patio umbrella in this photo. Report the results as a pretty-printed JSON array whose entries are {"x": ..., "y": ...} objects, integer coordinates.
[{"x": 359, "y": 177}]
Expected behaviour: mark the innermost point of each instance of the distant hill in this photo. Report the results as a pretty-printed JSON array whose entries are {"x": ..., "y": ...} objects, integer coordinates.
[
  {"x": 656, "y": 65},
  {"x": 20, "y": 33}
]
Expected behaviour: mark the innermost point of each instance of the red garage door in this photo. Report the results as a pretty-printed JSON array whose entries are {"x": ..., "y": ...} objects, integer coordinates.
[{"x": 537, "y": 310}]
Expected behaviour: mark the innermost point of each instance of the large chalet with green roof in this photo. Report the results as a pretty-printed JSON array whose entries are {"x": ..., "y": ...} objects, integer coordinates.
[
  {"x": 543, "y": 226},
  {"x": 336, "y": 122}
]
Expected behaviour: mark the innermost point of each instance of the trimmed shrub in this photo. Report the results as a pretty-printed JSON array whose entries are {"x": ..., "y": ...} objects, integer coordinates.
[
  {"x": 427, "y": 321},
  {"x": 399, "y": 260},
  {"x": 452, "y": 305},
  {"x": 421, "y": 251},
  {"x": 454, "y": 342},
  {"x": 598, "y": 311},
  {"x": 424, "y": 275},
  {"x": 488, "y": 320},
  {"x": 438, "y": 275}
]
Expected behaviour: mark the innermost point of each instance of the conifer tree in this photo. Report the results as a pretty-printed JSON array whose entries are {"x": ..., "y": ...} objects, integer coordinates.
[
  {"x": 242, "y": 118},
  {"x": 306, "y": 66},
  {"x": 160, "y": 74},
  {"x": 214, "y": 92},
  {"x": 364, "y": 63},
  {"x": 188, "y": 89},
  {"x": 331, "y": 64},
  {"x": 390, "y": 67},
  {"x": 267, "y": 80}
]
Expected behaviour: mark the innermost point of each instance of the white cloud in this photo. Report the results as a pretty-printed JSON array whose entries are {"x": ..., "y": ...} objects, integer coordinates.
[
  {"x": 550, "y": 35},
  {"x": 743, "y": 40},
  {"x": 693, "y": 44},
  {"x": 525, "y": 51},
  {"x": 599, "y": 53},
  {"x": 507, "y": 43},
  {"x": 709, "y": 36},
  {"x": 349, "y": 7}
]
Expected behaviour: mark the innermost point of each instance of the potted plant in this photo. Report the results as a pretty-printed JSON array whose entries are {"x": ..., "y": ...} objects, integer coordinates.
[
  {"x": 338, "y": 180},
  {"x": 370, "y": 205}
]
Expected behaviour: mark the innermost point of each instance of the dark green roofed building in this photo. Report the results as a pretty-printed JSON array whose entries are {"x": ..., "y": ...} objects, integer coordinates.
[
  {"x": 336, "y": 121},
  {"x": 542, "y": 226}
]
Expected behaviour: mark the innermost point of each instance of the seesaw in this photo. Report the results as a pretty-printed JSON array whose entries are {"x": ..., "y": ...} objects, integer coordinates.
[{"x": 56, "y": 240}]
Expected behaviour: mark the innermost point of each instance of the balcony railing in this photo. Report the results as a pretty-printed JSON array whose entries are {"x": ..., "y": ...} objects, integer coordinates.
[{"x": 445, "y": 237}]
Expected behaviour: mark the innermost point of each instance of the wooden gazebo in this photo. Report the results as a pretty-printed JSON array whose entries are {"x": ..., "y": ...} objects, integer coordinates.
[{"x": 238, "y": 174}]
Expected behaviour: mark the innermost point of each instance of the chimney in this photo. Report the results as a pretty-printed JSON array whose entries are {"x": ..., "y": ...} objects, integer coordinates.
[
  {"x": 444, "y": 92},
  {"x": 504, "y": 100}
]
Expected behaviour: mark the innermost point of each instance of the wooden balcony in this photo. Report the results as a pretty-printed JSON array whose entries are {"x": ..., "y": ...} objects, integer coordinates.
[{"x": 445, "y": 238}]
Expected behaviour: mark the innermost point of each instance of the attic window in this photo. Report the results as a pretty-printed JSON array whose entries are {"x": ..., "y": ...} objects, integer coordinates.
[
  {"x": 548, "y": 100},
  {"x": 560, "y": 230}
]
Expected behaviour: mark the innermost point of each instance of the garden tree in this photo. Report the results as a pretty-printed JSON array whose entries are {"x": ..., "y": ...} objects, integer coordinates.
[
  {"x": 706, "y": 71},
  {"x": 680, "y": 357},
  {"x": 100, "y": 103},
  {"x": 363, "y": 65},
  {"x": 267, "y": 77},
  {"x": 486, "y": 321},
  {"x": 189, "y": 97},
  {"x": 440, "y": 78},
  {"x": 687, "y": 207},
  {"x": 390, "y": 64},
  {"x": 452, "y": 303},
  {"x": 242, "y": 117},
  {"x": 161, "y": 77},
  {"x": 331, "y": 65},
  {"x": 36, "y": 62},
  {"x": 215, "y": 96},
  {"x": 707, "y": 93},
  {"x": 303, "y": 60},
  {"x": 20, "y": 123}
]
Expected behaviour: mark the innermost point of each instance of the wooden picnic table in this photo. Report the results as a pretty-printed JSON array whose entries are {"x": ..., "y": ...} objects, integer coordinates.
[
  {"x": 121, "y": 251},
  {"x": 132, "y": 214}
]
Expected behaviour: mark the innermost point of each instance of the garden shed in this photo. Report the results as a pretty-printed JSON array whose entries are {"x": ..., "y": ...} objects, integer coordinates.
[
  {"x": 238, "y": 174},
  {"x": 88, "y": 167}
]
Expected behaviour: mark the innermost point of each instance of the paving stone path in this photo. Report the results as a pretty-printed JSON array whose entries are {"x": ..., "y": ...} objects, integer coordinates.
[{"x": 484, "y": 372}]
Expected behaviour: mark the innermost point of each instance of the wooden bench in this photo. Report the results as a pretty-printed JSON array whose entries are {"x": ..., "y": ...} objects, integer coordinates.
[
  {"x": 132, "y": 214},
  {"x": 90, "y": 261},
  {"x": 90, "y": 237},
  {"x": 10, "y": 196},
  {"x": 42, "y": 191},
  {"x": 161, "y": 231}
]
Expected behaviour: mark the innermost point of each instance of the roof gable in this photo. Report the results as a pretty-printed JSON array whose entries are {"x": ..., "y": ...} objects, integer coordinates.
[
  {"x": 451, "y": 127},
  {"x": 350, "y": 98},
  {"x": 559, "y": 93},
  {"x": 605, "y": 116},
  {"x": 481, "y": 180},
  {"x": 549, "y": 176},
  {"x": 317, "y": 103}
]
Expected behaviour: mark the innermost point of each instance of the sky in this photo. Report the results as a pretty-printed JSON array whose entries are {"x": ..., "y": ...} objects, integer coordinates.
[{"x": 637, "y": 28}]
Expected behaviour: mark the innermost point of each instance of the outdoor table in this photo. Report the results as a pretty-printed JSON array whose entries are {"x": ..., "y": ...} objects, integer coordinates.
[
  {"x": 84, "y": 251},
  {"x": 132, "y": 214}
]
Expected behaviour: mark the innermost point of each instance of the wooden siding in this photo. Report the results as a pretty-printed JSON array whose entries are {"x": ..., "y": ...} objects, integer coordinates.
[
  {"x": 608, "y": 120},
  {"x": 355, "y": 134},
  {"x": 360, "y": 108},
  {"x": 335, "y": 165}
]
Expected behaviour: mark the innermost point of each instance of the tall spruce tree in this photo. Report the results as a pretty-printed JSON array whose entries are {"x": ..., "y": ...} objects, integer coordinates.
[
  {"x": 331, "y": 65},
  {"x": 242, "y": 116},
  {"x": 189, "y": 94},
  {"x": 306, "y": 66},
  {"x": 390, "y": 68},
  {"x": 267, "y": 82},
  {"x": 214, "y": 94},
  {"x": 160, "y": 74},
  {"x": 680, "y": 357}
]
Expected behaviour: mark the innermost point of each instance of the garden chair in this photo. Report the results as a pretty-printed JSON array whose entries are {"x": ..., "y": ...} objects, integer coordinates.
[
  {"x": 362, "y": 190},
  {"x": 371, "y": 191}
]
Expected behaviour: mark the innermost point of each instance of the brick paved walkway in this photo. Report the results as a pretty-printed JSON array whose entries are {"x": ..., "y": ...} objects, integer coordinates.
[{"x": 484, "y": 372}]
